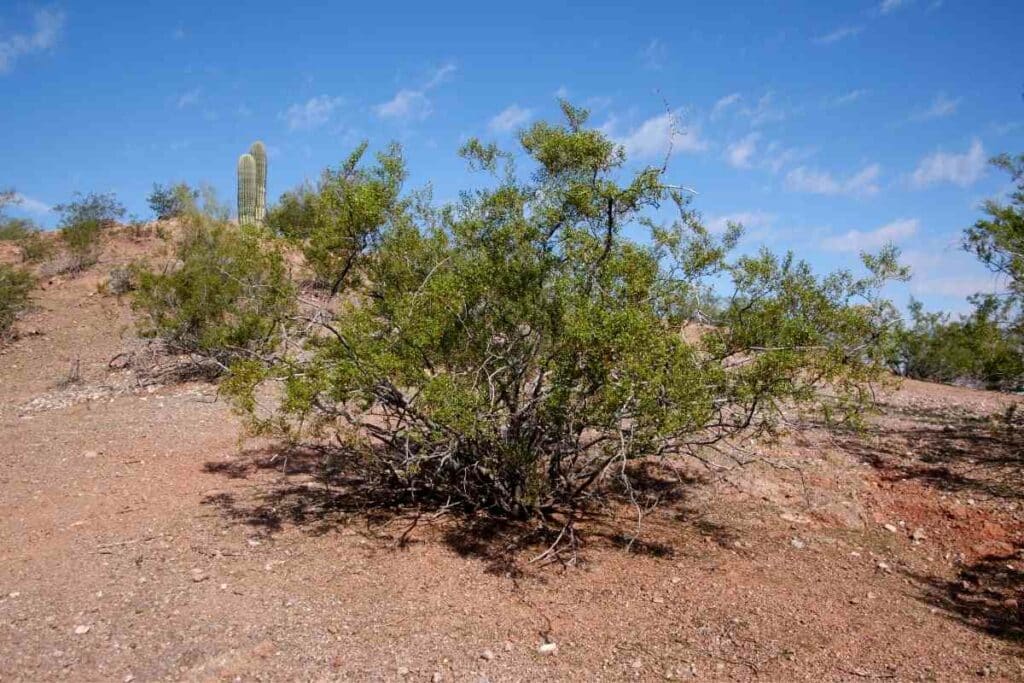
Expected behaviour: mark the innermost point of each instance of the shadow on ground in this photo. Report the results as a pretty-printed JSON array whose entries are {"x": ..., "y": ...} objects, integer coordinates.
[
  {"x": 302, "y": 488},
  {"x": 948, "y": 450}
]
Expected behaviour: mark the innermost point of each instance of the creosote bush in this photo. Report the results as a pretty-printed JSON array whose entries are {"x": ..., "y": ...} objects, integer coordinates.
[
  {"x": 82, "y": 223},
  {"x": 173, "y": 200},
  {"x": 15, "y": 285},
  {"x": 225, "y": 296},
  {"x": 507, "y": 352}
]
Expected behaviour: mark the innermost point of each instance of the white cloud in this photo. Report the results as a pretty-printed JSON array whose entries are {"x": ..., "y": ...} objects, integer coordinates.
[
  {"x": 406, "y": 104},
  {"x": 510, "y": 118},
  {"x": 189, "y": 97},
  {"x": 837, "y": 35},
  {"x": 848, "y": 97},
  {"x": 657, "y": 135},
  {"x": 940, "y": 107},
  {"x": 724, "y": 103},
  {"x": 861, "y": 184},
  {"x": 944, "y": 167},
  {"x": 752, "y": 220},
  {"x": 856, "y": 241},
  {"x": 562, "y": 93},
  {"x": 888, "y": 6},
  {"x": 739, "y": 153},
  {"x": 655, "y": 54},
  {"x": 47, "y": 28},
  {"x": 764, "y": 110},
  {"x": 313, "y": 113},
  {"x": 30, "y": 205},
  {"x": 412, "y": 104}
]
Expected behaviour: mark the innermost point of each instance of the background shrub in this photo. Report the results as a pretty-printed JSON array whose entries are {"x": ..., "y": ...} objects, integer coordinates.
[
  {"x": 225, "y": 296},
  {"x": 172, "y": 201},
  {"x": 15, "y": 285},
  {"x": 82, "y": 223}
]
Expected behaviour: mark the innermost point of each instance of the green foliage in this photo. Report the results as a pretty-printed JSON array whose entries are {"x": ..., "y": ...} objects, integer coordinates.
[
  {"x": 294, "y": 215},
  {"x": 225, "y": 296},
  {"x": 83, "y": 221},
  {"x": 340, "y": 222},
  {"x": 172, "y": 201},
  {"x": 998, "y": 240},
  {"x": 15, "y": 285},
  {"x": 22, "y": 232},
  {"x": 976, "y": 349},
  {"x": 504, "y": 352}
]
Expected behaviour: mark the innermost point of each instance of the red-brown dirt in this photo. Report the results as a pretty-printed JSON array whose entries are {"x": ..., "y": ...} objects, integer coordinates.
[{"x": 141, "y": 538}]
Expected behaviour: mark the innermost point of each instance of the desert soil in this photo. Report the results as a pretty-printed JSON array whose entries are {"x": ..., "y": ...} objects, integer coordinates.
[{"x": 142, "y": 538}]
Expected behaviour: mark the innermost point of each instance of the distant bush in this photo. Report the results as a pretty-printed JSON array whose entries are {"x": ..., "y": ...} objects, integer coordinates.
[
  {"x": 83, "y": 221},
  {"x": 294, "y": 215},
  {"x": 978, "y": 349},
  {"x": 173, "y": 200},
  {"x": 223, "y": 297},
  {"x": 22, "y": 232},
  {"x": 15, "y": 285},
  {"x": 122, "y": 279}
]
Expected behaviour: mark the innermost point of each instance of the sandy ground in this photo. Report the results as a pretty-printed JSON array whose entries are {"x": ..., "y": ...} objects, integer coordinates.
[{"x": 141, "y": 538}]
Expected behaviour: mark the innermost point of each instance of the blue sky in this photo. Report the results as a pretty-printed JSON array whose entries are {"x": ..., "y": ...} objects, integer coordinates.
[{"x": 825, "y": 127}]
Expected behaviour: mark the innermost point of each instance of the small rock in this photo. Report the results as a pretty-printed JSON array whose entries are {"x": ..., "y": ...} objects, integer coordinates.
[
  {"x": 437, "y": 677},
  {"x": 547, "y": 648},
  {"x": 658, "y": 600},
  {"x": 637, "y": 663},
  {"x": 14, "y": 594},
  {"x": 82, "y": 629},
  {"x": 918, "y": 535},
  {"x": 90, "y": 454},
  {"x": 487, "y": 655},
  {"x": 797, "y": 543},
  {"x": 199, "y": 575},
  {"x": 403, "y": 671},
  {"x": 891, "y": 528},
  {"x": 884, "y": 566},
  {"x": 508, "y": 646}
]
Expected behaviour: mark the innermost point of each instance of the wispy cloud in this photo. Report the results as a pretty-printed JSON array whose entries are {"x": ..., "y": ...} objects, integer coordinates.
[
  {"x": 313, "y": 113},
  {"x": 945, "y": 167},
  {"x": 657, "y": 136},
  {"x": 889, "y": 6},
  {"x": 413, "y": 104},
  {"x": 189, "y": 98},
  {"x": 723, "y": 104},
  {"x": 847, "y": 97},
  {"x": 739, "y": 154},
  {"x": 940, "y": 107},
  {"x": 864, "y": 183},
  {"x": 48, "y": 25},
  {"x": 765, "y": 110},
  {"x": 835, "y": 36},
  {"x": 30, "y": 205},
  {"x": 855, "y": 240},
  {"x": 751, "y": 220},
  {"x": 655, "y": 54},
  {"x": 509, "y": 119}
]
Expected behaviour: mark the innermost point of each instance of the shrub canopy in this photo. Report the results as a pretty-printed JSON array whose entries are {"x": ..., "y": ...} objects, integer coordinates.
[{"x": 503, "y": 352}]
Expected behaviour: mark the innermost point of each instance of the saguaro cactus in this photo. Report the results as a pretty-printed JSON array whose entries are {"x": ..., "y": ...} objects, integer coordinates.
[
  {"x": 259, "y": 153},
  {"x": 247, "y": 189}
]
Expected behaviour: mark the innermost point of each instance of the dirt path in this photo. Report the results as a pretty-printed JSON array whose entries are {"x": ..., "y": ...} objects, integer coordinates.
[{"x": 141, "y": 540}]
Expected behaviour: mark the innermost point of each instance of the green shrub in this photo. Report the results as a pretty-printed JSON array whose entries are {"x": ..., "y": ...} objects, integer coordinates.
[
  {"x": 504, "y": 353},
  {"x": 225, "y": 297},
  {"x": 338, "y": 223},
  {"x": 15, "y": 285},
  {"x": 83, "y": 221},
  {"x": 28, "y": 237},
  {"x": 172, "y": 201},
  {"x": 294, "y": 215}
]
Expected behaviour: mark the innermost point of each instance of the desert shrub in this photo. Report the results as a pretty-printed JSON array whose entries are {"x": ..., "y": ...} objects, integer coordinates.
[
  {"x": 978, "y": 349},
  {"x": 173, "y": 200},
  {"x": 294, "y": 215},
  {"x": 28, "y": 237},
  {"x": 83, "y": 221},
  {"x": 225, "y": 295},
  {"x": 122, "y": 279},
  {"x": 336, "y": 224},
  {"x": 504, "y": 353},
  {"x": 15, "y": 285}
]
